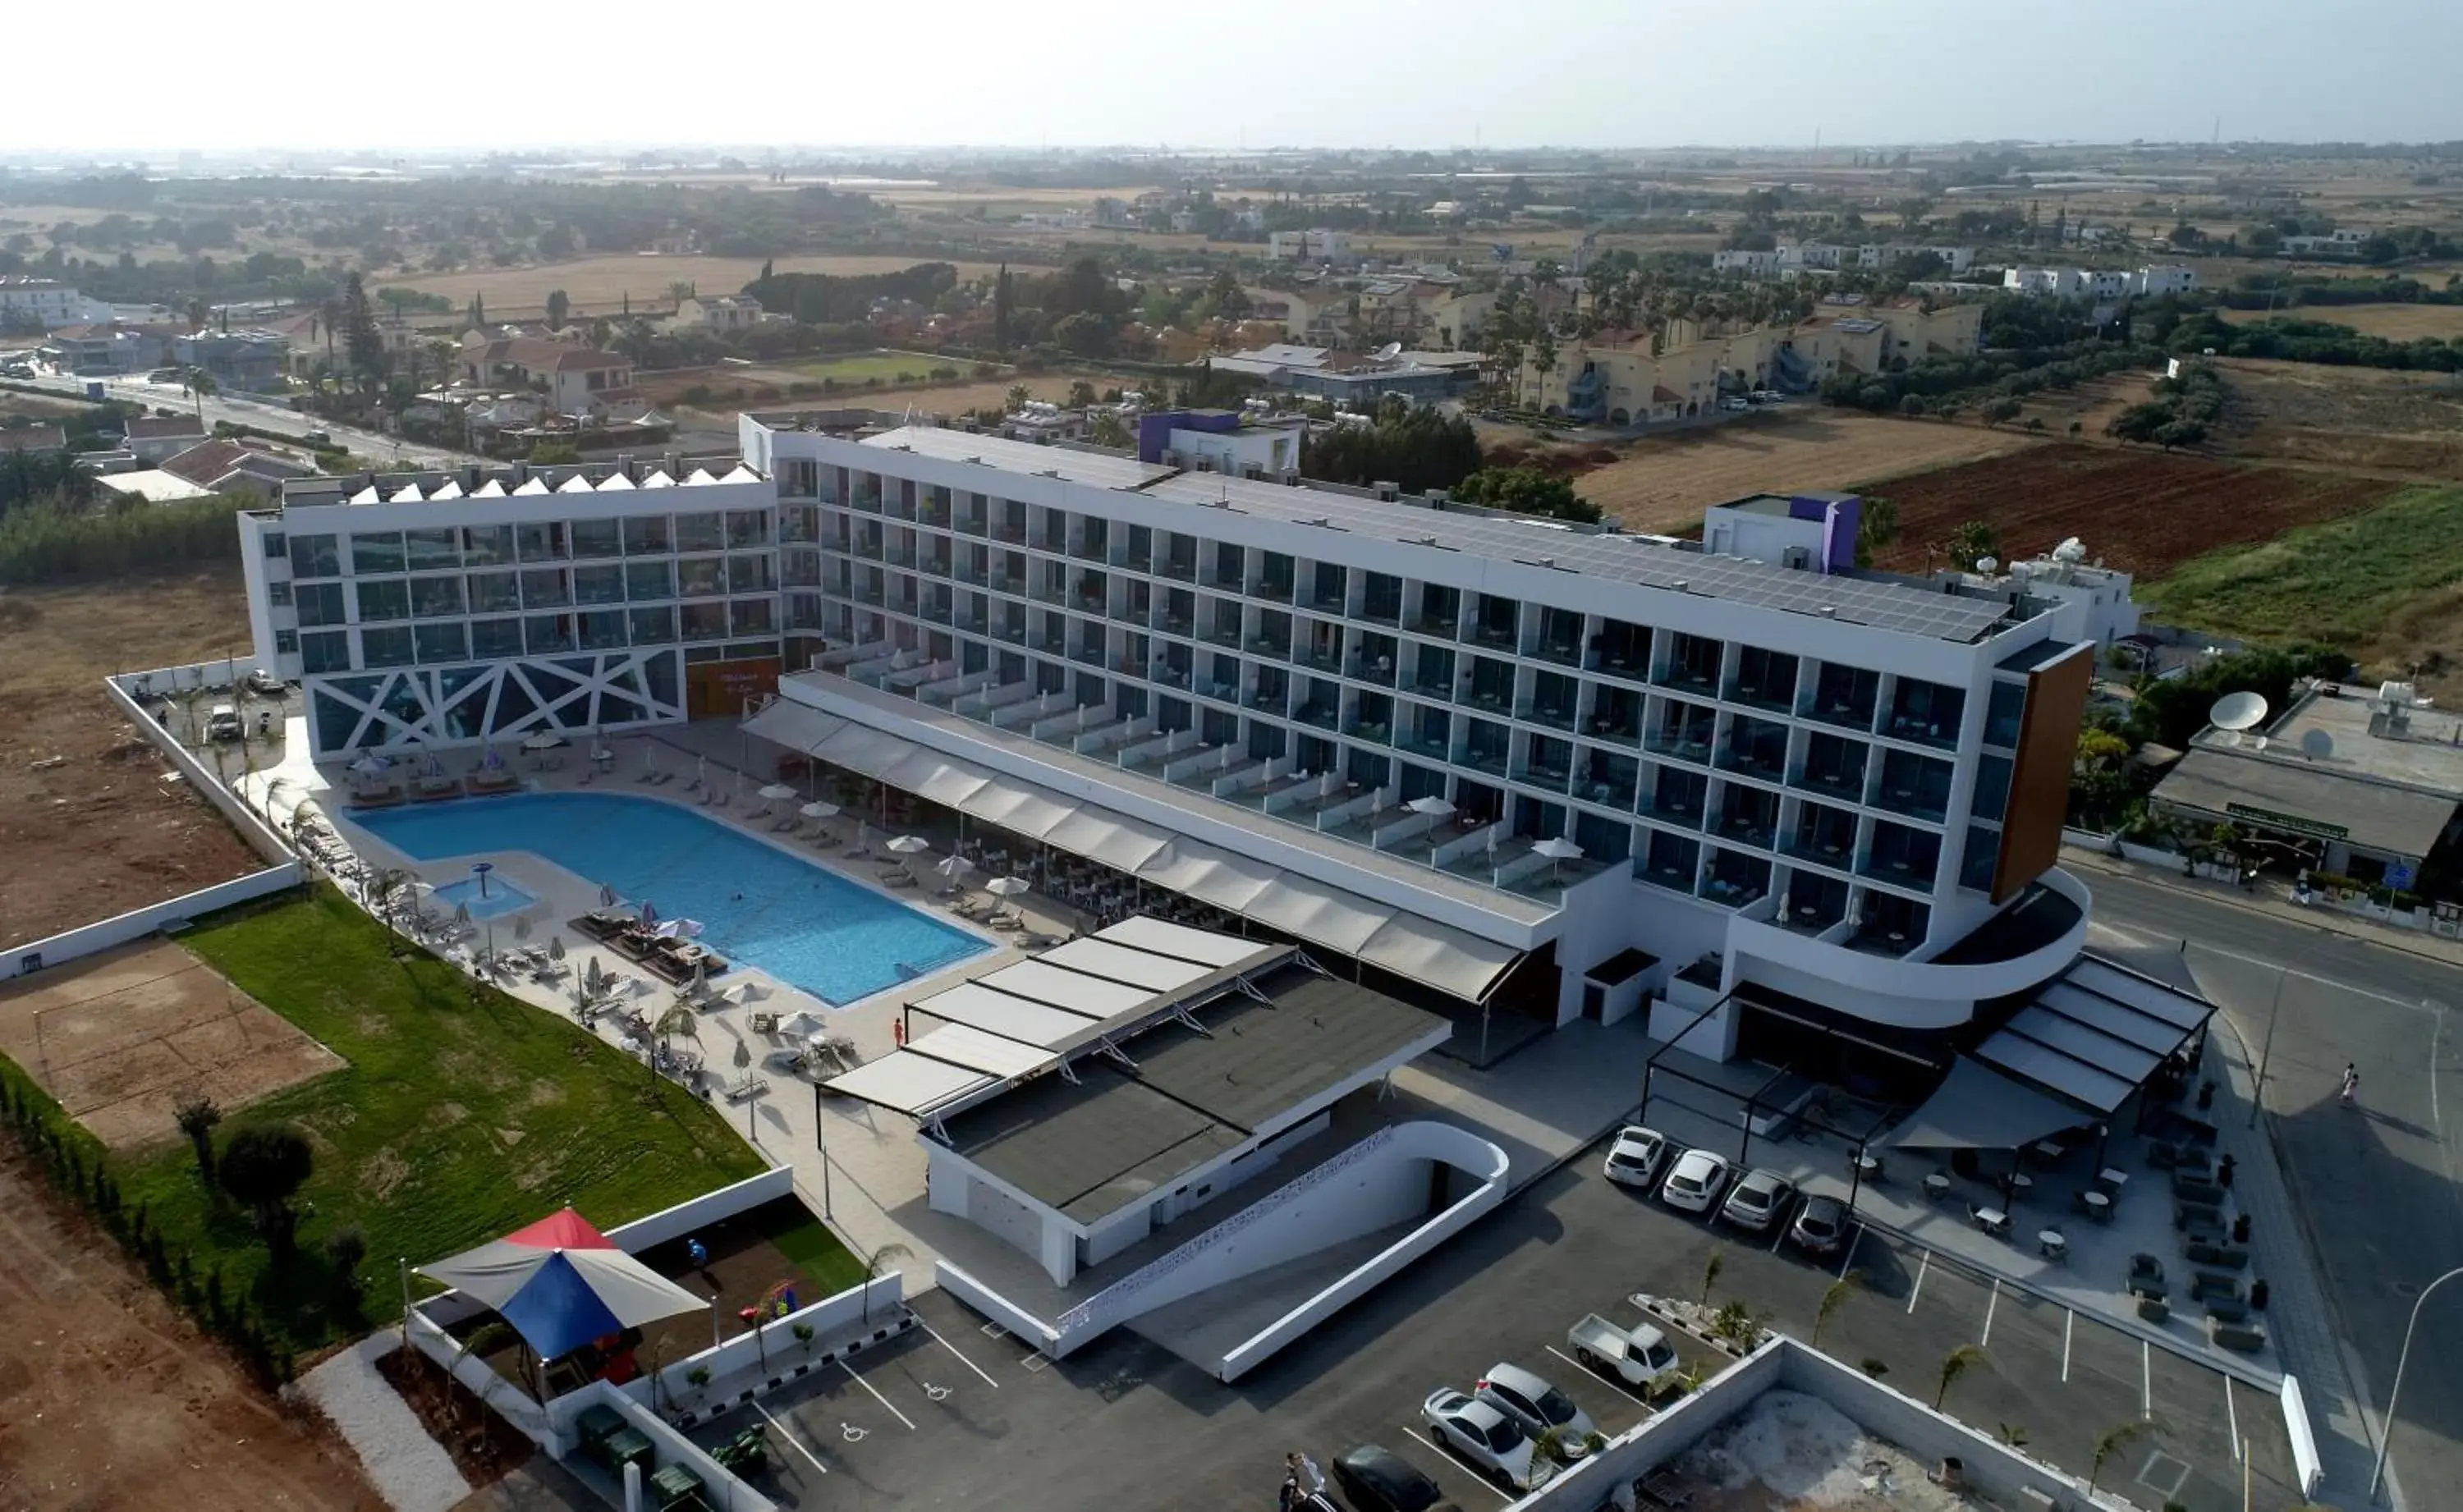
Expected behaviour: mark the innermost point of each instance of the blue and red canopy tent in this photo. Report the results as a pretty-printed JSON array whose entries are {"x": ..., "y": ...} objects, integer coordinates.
[{"x": 561, "y": 1284}]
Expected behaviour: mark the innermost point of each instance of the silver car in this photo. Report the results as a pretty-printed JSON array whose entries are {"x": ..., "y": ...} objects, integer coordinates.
[
  {"x": 1539, "y": 1408},
  {"x": 1759, "y": 1199},
  {"x": 1485, "y": 1436}
]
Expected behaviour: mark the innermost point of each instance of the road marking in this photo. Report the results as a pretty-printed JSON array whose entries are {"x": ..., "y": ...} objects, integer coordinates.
[
  {"x": 1991, "y": 1304},
  {"x": 2147, "y": 1379},
  {"x": 792, "y": 1442},
  {"x": 1776, "y": 1237},
  {"x": 1850, "y": 1258},
  {"x": 1614, "y": 1383},
  {"x": 2434, "y": 1035},
  {"x": 2069, "y": 1325},
  {"x": 2232, "y": 1415},
  {"x": 1447, "y": 1455},
  {"x": 876, "y": 1395},
  {"x": 953, "y": 1350},
  {"x": 1917, "y": 1290}
]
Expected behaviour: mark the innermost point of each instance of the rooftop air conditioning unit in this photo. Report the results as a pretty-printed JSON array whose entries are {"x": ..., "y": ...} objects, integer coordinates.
[
  {"x": 1797, "y": 558},
  {"x": 1205, "y": 463},
  {"x": 1390, "y": 491}
]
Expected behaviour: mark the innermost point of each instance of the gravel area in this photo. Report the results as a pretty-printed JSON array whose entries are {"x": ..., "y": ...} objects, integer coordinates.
[{"x": 411, "y": 1471}]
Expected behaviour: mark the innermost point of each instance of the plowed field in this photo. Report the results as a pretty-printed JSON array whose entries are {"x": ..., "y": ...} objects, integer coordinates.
[{"x": 2141, "y": 512}]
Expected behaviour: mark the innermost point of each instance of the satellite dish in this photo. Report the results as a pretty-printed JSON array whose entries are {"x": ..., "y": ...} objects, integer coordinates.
[
  {"x": 1988, "y": 565},
  {"x": 2316, "y": 743},
  {"x": 2237, "y": 711},
  {"x": 1390, "y": 350}
]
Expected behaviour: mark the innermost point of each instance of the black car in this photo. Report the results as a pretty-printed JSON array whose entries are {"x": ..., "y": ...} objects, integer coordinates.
[
  {"x": 1820, "y": 1226},
  {"x": 1376, "y": 1479}
]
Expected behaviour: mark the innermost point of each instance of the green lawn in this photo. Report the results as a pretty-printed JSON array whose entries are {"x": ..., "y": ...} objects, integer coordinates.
[
  {"x": 2345, "y": 582},
  {"x": 463, "y": 1115},
  {"x": 857, "y": 367}
]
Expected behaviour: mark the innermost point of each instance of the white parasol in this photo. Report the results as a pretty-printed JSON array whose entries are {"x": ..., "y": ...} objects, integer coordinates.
[
  {"x": 909, "y": 845},
  {"x": 817, "y": 810},
  {"x": 1006, "y": 886},
  {"x": 1556, "y": 849},
  {"x": 777, "y": 792},
  {"x": 954, "y": 867},
  {"x": 543, "y": 741},
  {"x": 1433, "y": 807}
]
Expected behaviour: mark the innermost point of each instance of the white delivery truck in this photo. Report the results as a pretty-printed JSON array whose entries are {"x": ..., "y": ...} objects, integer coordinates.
[{"x": 1640, "y": 1356}]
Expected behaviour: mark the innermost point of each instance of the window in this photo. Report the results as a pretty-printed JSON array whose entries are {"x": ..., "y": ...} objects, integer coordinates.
[
  {"x": 648, "y": 580},
  {"x": 648, "y": 535},
  {"x": 494, "y": 638},
  {"x": 752, "y": 616},
  {"x": 325, "y": 651},
  {"x": 384, "y": 598},
  {"x": 315, "y": 556},
  {"x": 375, "y": 553},
  {"x": 749, "y": 573},
  {"x": 386, "y": 648},
  {"x": 598, "y": 538},
  {"x": 432, "y": 597},
  {"x": 651, "y": 627},
  {"x": 286, "y": 642},
  {"x": 275, "y": 547},
  {"x": 602, "y": 630},
  {"x": 598, "y": 585},
  {"x": 442, "y": 643},
  {"x": 748, "y": 527},
  {"x": 279, "y": 594},
  {"x": 543, "y": 542},
  {"x": 430, "y": 551},
  {"x": 545, "y": 588},
  {"x": 548, "y": 633},
  {"x": 486, "y": 545},
  {"x": 700, "y": 532},
  {"x": 320, "y": 604},
  {"x": 705, "y": 621},
  {"x": 702, "y": 578}
]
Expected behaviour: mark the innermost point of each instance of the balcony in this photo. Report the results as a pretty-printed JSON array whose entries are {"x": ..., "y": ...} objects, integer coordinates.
[
  {"x": 1917, "y": 786},
  {"x": 1822, "y": 836},
  {"x": 1685, "y": 739},
  {"x": 1179, "y": 564},
  {"x": 1559, "y": 639},
  {"x": 1431, "y": 737},
  {"x": 1765, "y": 680},
  {"x": 1755, "y": 748},
  {"x": 1926, "y": 714},
  {"x": 1669, "y": 862},
  {"x": 1316, "y": 714},
  {"x": 1747, "y": 818}
]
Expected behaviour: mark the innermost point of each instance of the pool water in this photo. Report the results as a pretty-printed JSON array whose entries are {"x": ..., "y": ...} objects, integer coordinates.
[
  {"x": 501, "y": 897},
  {"x": 758, "y": 905}
]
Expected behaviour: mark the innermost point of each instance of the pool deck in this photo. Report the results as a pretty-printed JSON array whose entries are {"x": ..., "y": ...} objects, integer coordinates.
[{"x": 875, "y": 1166}]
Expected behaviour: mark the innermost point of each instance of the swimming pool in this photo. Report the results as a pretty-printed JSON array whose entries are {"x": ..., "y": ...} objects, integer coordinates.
[{"x": 759, "y": 905}]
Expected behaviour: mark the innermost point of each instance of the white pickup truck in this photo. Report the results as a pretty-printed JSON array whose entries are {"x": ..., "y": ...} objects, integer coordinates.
[{"x": 1640, "y": 1356}]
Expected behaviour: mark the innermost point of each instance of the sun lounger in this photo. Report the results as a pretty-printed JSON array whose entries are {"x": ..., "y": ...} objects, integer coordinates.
[
  {"x": 757, "y": 814},
  {"x": 967, "y": 908},
  {"x": 858, "y": 852},
  {"x": 1035, "y": 941},
  {"x": 782, "y": 826},
  {"x": 897, "y": 879},
  {"x": 722, "y": 798}
]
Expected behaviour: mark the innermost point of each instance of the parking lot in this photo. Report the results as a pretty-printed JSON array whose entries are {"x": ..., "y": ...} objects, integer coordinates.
[{"x": 1123, "y": 1422}]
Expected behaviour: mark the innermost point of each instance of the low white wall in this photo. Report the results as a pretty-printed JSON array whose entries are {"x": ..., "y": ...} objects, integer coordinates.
[
  {"x": 700, "y": 1212},
  {"x": 993, "y": 1306},
  {"x": 251, "y": 828},
  {"x": 1638, "y": 1451},
  {"x": 1380, "y": 1267},
  {"x": 510, "y": 1401},
  {"x": 758, "y": 1359},
  {"x": 139, "y": 923},
  {"x": 2305, "y": 1463},
  {"x": 725, "y": 1493}
]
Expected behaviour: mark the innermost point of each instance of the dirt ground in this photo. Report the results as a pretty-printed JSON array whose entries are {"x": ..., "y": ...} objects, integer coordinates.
[
  {"x": 948, "y": 399},
  {"x": 2395, "y": 322},
  {"x": 2090, "y": 405},
  {"x": 121, "y": 1037},
  {"x": 1663, "y": 484},
  {"x": 597, "y": 285},
  {"x": 2372, "y": 418},
  {"x": 2137, "y": 511},
  {"x": 104, "y": 834},
  {"x": 111, "y": 1402}
]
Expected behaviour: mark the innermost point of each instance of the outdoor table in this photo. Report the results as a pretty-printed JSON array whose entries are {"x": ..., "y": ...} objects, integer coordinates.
[
  {"x": 2099, "y": 1206},
  {"x": 1936, "y": 1184},
  {"x": 625, "y": 1447},
  {"x": 1993, "y": 1220},
  {"x": 2047, "y": 1149},
  {"x": 2052, "y": 1245},
  {"x": 2112, "y": 1181},
  {"x": 2021, "y": 1182},
  {"x": 1868, "y": 1167}
]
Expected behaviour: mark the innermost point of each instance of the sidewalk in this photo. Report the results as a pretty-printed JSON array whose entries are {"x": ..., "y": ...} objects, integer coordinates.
[{"x": 2270, "y": 903}]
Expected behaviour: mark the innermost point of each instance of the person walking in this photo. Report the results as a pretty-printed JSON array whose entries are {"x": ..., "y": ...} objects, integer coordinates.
[{"x": 2351, "y": 1083}]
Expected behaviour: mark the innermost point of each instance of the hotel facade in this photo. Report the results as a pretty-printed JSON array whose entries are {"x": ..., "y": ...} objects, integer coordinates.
[{"x": 1503, "y": 765}]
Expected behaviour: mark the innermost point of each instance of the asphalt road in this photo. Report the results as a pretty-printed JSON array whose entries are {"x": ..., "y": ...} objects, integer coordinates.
[
  {"x": 1124, "y": 1423},
  {"x": 265, "y": 415},
  {"x": 2377, "y": 1184}
]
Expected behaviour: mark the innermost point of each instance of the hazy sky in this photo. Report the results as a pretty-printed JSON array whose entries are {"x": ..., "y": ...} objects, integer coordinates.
[{"x": 1259, "y": 73}]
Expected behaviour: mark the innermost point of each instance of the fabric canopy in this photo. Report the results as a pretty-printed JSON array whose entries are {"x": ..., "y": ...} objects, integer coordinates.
[
  {"x": 1978, "y": 1108},
  {"x": 794, "y": 725},
  {"x": 561, "y": 1284}
]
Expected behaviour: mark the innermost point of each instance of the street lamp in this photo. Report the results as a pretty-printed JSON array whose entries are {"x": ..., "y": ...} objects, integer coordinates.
[{"x": 2386, "y": 1439}]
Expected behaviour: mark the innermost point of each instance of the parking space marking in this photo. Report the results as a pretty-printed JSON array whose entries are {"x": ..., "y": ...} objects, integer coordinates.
[
  {"x": 1917, "y": 1290},
  {"x": 788, "y": 1434},
  {"x": 1850, "y": 1258},
  {"x": 1777, "y": 1237},
  {"x": 876, "y": 1395},
  {"x": 2231, "y": 1416},
  {"x": 1991, "y": 1304},
  {"x": 962, "y": 1358},
  {"x": 1036, "y": 1362},
  {"x": 2147, "y": 1377},
  {"x": 1447, "y": 1455},
  {"x": 2069, "y": 1326},
  {"x": 1612, "y": 1382}
]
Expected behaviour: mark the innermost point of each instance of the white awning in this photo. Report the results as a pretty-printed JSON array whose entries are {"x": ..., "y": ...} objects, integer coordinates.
[
  {"x": 1229, "y": 881},
  {"x": 992, "y": 1054},
  {"x": 1122, "y": 964},
  {"x": 1978, "y": 1108},
  {"x": 1439, "y": 956},
  {"x": 909, "y": 1084},
  {"x": 1067, "y": 990},
  {"x": 1329, "y": 916},
  {"x": 2098, "y": 1033},
  {"x": 936, "y": 778},
  {"x": 1116, "y": 840},
  {"x": 794, "y": 725},
  {"x": 1163, "y": 938},
  {"x": 1017, "y": 808},
  {"x": 863, "y": 750},
  {"x": 999, "y": 1013}
]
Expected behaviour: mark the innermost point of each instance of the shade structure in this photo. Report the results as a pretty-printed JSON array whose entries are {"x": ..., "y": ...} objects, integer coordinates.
[
  {"x": 543, "y": 741},
  {"x": 1978, "y": 1108},
  {"x": 954, "y": 866},
  {"x": 561, "y": 1284},
  {"x": 909, "y": 845},
  {"x": 1006, "y": 886},
  {"x": 819, "y": 810},
  {"x": 777, "y": 792},
  {"x": 1433, "y": 807}
]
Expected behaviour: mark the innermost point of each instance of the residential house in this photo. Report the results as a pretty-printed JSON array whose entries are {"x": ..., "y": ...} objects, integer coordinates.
[
  {"x": 35, "y": 441},
  {"x": 1348, "y": 377},
  {"x": 1874, "y": 339},
  {"x": 1316, "y": 245},
  {"x": 154, "y": 439},
  {"x": 2344, "y": 241},
  {"x": 2101, "y": 284},
  {"x": 719, "y": 315},
  {"x": 98, "y": 349},
  {"x": 253, "y": 359},
  {"x": 241, "y": 465},
  {"x": 1618, "y": 378},
  {"x": 48, "y": 302},
  {"x": 575, "y": 380},
  {"x": 1455, "y": 321},
  {"x": 152, "y": 485},
  {"x": 1751, "y": 263},
  {"x": 2170, "y": 278}
]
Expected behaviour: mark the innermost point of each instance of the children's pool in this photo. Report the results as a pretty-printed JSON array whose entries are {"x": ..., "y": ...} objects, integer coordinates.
[{"x": 759, "y": 905}]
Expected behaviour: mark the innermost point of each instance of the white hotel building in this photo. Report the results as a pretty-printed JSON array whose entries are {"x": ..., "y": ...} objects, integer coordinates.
[{"x": 1802, "y": 795}]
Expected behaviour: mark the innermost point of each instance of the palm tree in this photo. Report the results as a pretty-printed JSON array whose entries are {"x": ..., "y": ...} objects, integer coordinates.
[
  {"x": 875, "y": 1265},
  {"x": 329, "y": 315},
  {"x": 1834, "y": 1297},
  {"x": 1018, "y": 396},
  {"x": 201, "y": 387},
  {"x": 2115, "y": 1440},
  {"x": 1953, "y": 1365},
  {"x": 678, "y": 1019}
]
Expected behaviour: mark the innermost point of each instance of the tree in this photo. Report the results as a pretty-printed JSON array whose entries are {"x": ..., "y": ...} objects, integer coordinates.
[
  {"x": 1081, "y": 394},
  {"x": 1833, "y": 1298},
  {"x": 1527, "y": 490},
  {"x": 344, "y": 1249},
  {"x": 555, "y": 454},
  {"x": 2115, "y": 1440},
  {"x": 2179, "y": 433},
  {"x": 1110, "y": 430},
  {"x": 1004, "y": 298},
  {"x": 197, "y": 1115},
  {"x": 360, "y": 337},
  {"x": 263, "y": 1166},
  {"x": 877, "y": 1263},
  {"x": 1997, "y": 410},
  {"x": 558, "y": 306},
  {"x": 1953, "y": 1365},
  {"x": 1876, "y": 527},
  {"x": 1018, "y": 395},
  {"x": 1715, "y": 1263},
  {"x": 201, "y": 387},
  {"x": 1231, "y": 301},
  {"x": 1975, "y": 541}
]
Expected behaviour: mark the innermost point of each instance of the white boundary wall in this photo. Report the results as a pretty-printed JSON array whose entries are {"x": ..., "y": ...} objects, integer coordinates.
[
  {"x": 136, "y": 923},
  {"x": 252, "y": 827},
  {"x": 730, "y": 1495}
]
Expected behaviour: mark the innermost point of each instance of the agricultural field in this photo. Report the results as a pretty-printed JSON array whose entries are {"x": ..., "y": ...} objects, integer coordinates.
[
  {"x": 2138, "y": 511},
  {"x": 771, "y": 386},
  {"x": 597, "y": 285},
  {"x": 2394, "y": 322},
  {"x": 857, "y": 367},
  {"x": 2373, "y": 419},
  {"x": 2386, "y": 584},
  {"x": 1662, "y": 485}
]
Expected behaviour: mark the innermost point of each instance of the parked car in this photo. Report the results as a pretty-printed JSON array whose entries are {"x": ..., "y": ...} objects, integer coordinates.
[
  {"x": 1485, "y": 1436},
  {"x": 1635, "y": 1156},
  {"x": 1820, "y": 1226},
  {"x": 222, "y": 724},
  {"x": 317, "y": 438},
  {"x": 1639, "y": 1356},
  {"x": 1537, "y": 1406},
  {"x": 1758, "y": 1201},
  {"x": 264, "y": 684},
  {"x": 1731, "y": 404},
  {"x": 1768, "y": 395},
  {"x": 1375, "y": 1480},
  {"x": 1694, "y": 1183}
]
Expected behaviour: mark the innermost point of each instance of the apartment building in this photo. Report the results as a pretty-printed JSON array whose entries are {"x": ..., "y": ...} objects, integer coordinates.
[
  {"x": 2099, "y": 283},
  {"x": 1624, "y": 378},
  {"x": 1542, "y": 770},
  {"x": 24, "y": 298}
]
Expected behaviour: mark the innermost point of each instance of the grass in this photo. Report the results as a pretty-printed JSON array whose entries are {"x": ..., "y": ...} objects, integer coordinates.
[
  {"x": 2346, "y": 582},
  {"x": 464, "y": 1113},
  {"x": 890, "y": 367}
]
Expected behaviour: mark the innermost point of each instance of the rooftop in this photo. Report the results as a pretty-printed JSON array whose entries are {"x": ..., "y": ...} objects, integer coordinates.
[
  {"x": 1882, "y": 603},
  {"x": 2292, "y": 794},
  {"x": 1091, "y": 1147},
  {"x": 2340, "y": 730}
]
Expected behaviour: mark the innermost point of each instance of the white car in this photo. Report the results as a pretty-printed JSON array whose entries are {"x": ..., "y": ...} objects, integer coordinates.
[
  {"x": 1733, "y": 404},
  {"x": 1760, "y": 1200},
  {"x": 1485, "y": 1436},
  {"x": 1635, "y": 1156},
  {"x": 1694, "y": 1183},
  {"x": 1537, "y": 1406}
]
